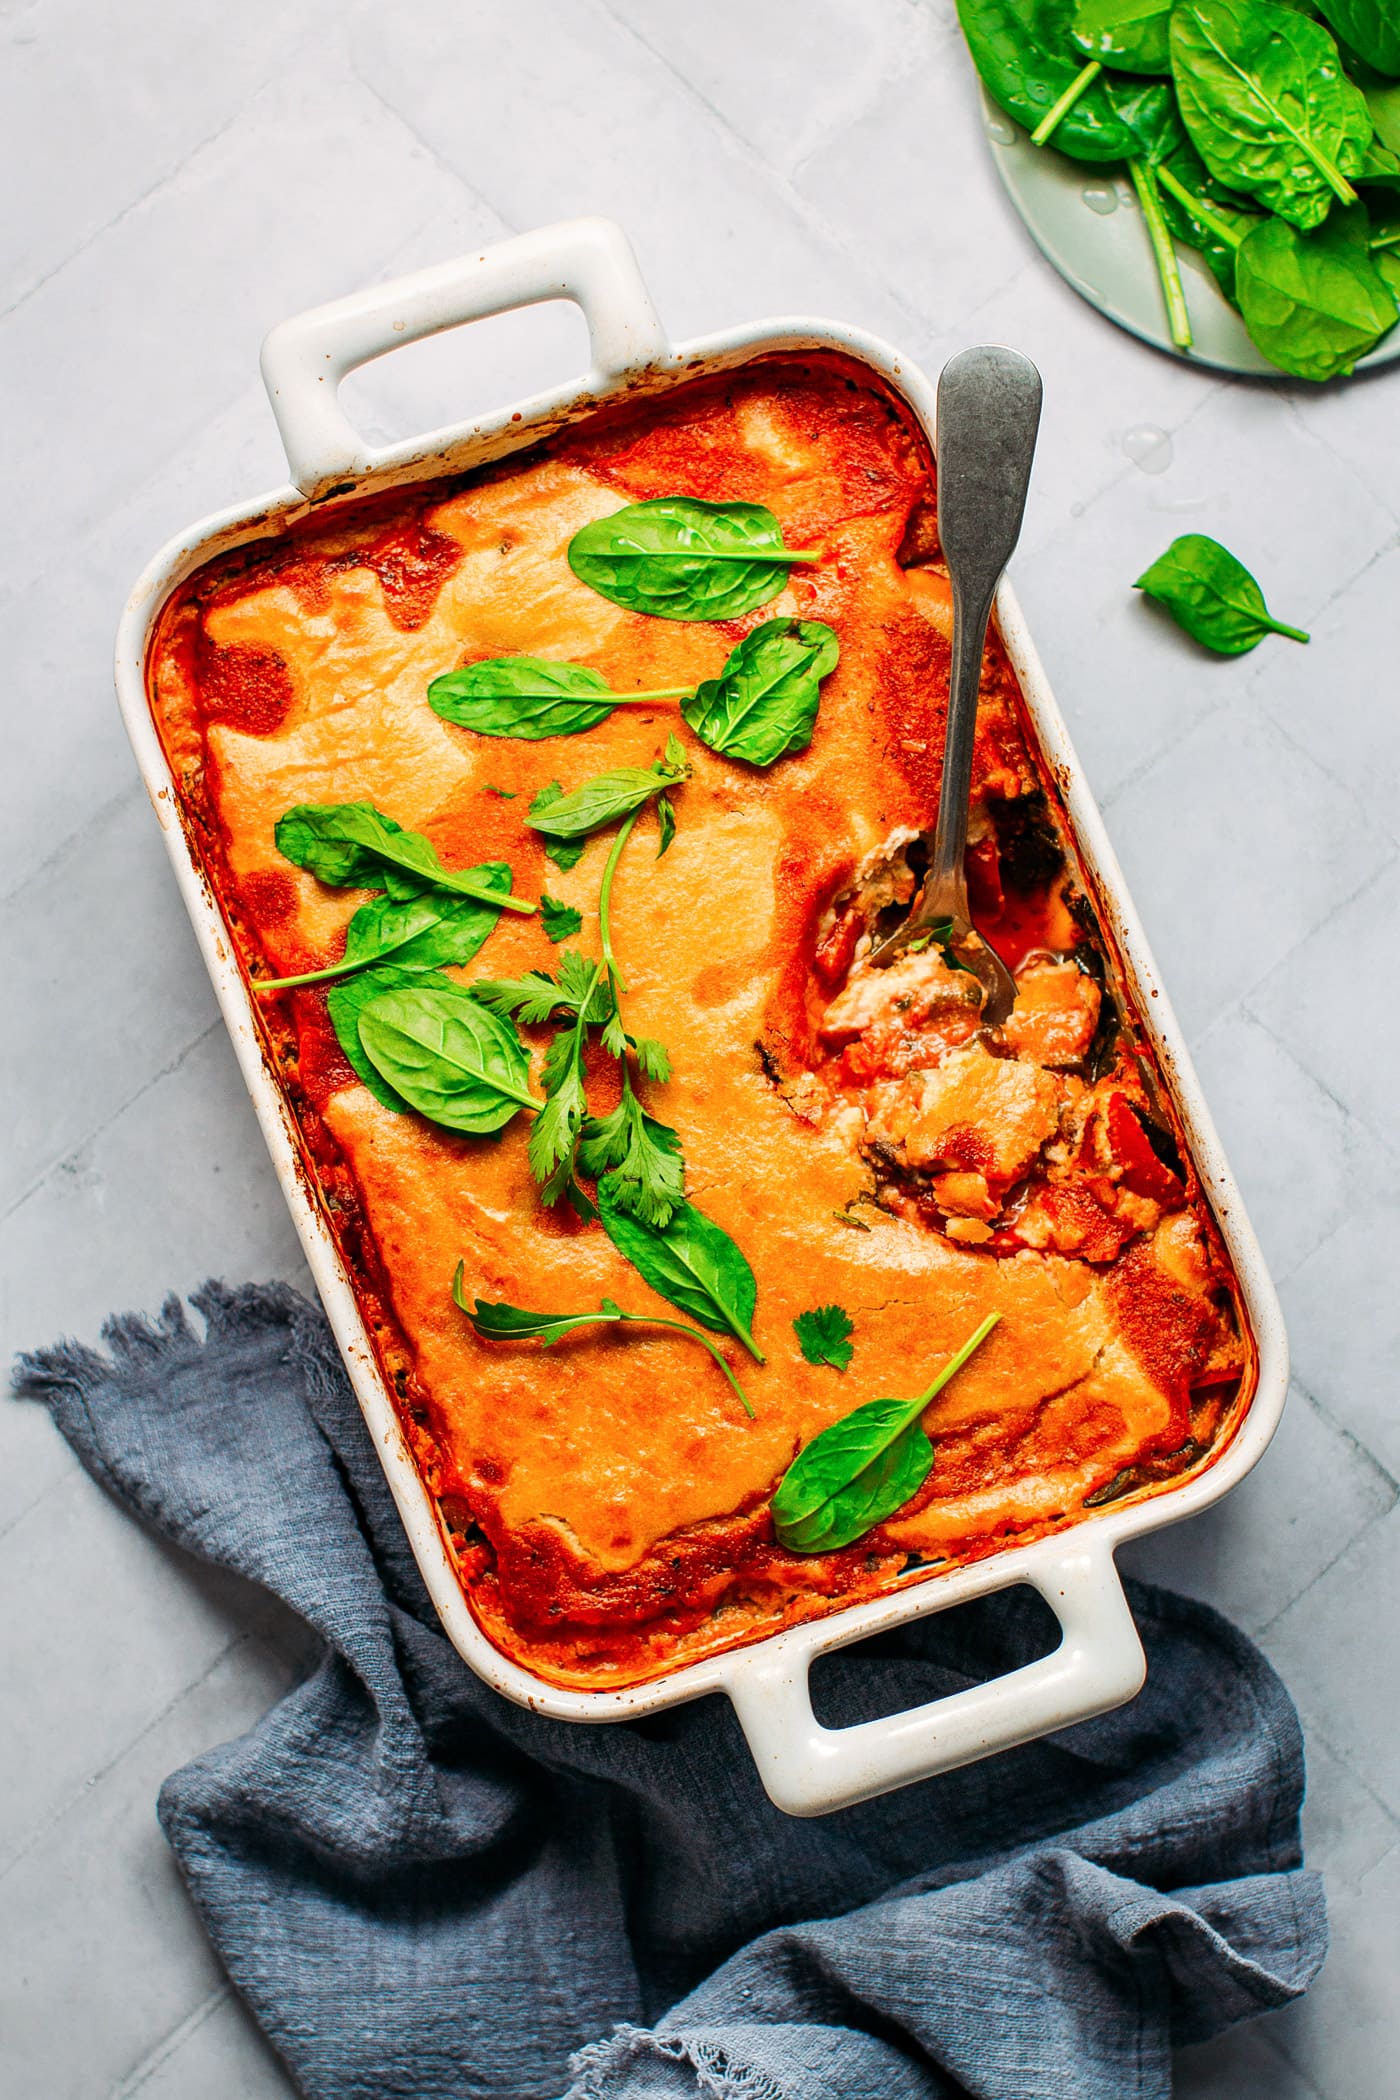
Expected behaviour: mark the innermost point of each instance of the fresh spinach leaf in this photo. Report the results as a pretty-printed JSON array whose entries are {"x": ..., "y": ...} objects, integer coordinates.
[
  {"x": 500, "y": 1322},
  {"x": 447, "y": 1056},
  {"x": 560, "y": 921},
  {"x": 691, "y": 1261},
  {"x": 824, "y": 1335},
  {"x": 862, "y": 1469},
  {"x": 532, "y": 697},
  {"x": 1212, "y": 595},
  {"x": 1130, "y": 35},
  {"x": 1023, "y": 53},
  {"x": 1314, "y": 303},
  {"x": 683, "y": 559},
  {"x": 422, "y": 932},
  {"x": 353, "y": 845},
  {"x": 1268, "y": 107},
  {"x": 1370, "y": 27},
  {"x": 607, "y": 796},
  {"x": 640, "y": 1157},
  {"x": 1204, "y": 215},
  {"x": 764, "y": 702},
  {"x": 346, "y": 1001}
]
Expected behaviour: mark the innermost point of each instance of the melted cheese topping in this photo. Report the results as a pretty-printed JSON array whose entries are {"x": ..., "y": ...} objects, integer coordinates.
[{"x": 607, "y": 1498}]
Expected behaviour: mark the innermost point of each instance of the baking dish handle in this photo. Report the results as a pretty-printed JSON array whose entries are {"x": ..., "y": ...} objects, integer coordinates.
[
  {"x": 809, "y": 1769},
  {"x": 304, "y": 360}
]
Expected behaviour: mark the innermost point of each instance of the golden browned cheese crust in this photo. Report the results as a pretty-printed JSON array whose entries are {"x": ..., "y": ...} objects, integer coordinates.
[{"x": 607, "y": 1499}]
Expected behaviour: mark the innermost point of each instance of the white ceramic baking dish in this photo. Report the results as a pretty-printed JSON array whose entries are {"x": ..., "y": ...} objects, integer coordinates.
[{"x": 806, "y": 1768}]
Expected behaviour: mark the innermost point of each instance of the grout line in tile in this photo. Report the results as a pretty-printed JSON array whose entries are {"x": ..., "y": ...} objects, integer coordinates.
[
  {"x": 70, "y": 1466},
  {"x": 142, "y": 2073},
  {"x": 95, "y": 817}
]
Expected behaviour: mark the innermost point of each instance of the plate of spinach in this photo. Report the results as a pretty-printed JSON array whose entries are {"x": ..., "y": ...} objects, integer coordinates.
[{"x": 1220, "y": 177}]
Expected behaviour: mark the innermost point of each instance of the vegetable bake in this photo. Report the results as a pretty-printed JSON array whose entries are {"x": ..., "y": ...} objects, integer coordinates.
[{"x": 554, "y": 812}]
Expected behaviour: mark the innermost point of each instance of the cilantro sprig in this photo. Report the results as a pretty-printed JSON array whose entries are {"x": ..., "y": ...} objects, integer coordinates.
[{"x": 823, "y": 1335}]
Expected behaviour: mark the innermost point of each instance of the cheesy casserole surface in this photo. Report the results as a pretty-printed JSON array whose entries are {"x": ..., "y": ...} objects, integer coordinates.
[{"x": 864, "y": 1141}]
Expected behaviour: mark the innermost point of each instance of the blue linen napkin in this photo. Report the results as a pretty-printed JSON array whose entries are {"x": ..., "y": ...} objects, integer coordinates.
[{"x": 423, "y": 1891}]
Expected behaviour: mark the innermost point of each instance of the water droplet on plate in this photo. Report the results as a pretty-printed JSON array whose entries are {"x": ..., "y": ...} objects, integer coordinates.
[
  {"x": 1148, "y": 447},
  {"x": 1101, "y": 197},
  {"x": 1000, "y": 132}
]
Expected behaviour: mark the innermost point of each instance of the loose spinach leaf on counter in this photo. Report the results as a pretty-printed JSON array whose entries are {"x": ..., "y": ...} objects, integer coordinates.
[
  {"x": 607, "y": 796},
  {"x": 824, "y": 1335},
  {"x": 1130, "y": 35},
  {"x": 422, "y": 932},
  {"x": 862, "y": 1469},
  {"x": 1370, "y": 27},
  {"x": 1314, "y": 303},
  {"x": 500, "y": 1322},
  {"x": 347, "y": 1000},
  {"x": 447, "y": 1056},
  {"x": 764, "y": 702},
  {"x": 691, "y": 1261},
  {"x": 1268, "y": 107},
  {"x": 560, "y": 921},
  {"x": 353, "y": 845},
  {"x": 1212, "y": 595},
  {"x": 532, "y": 697},
  {"x": 683, "y": 559},
  {"x": 640, "y": 1157}
]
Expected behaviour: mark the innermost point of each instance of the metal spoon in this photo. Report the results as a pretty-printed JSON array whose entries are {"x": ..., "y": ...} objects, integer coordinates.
[{"x": 988, "y": 415}]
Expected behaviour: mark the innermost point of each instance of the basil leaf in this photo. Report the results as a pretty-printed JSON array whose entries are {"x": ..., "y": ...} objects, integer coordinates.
[
  {"x": 353, "y": 845},
  {"x": 565, "y": 853},
  {"x": 531, "y": 697},
  {"x": 1267, "y": 104},
  {"x": 862, "y": 1469},
  {"x": 641, "y": 1158},
  {"x": 764, "y": 702},
  {"x": 560, "y": 921},
  {"x": 346, "y": 1001},
  {"x": 511, "y": 1323},
  {"x": 1370, "y": 27},
  {"x": 1313, "y": 303},
  {"x": 691, "y": 1261},
  {"x": 448, "y": 1056},
  {"x": 824, "y": 1335},
  {"x": 607, "y": 796},
  {"x": 1212, "y": 595},
  {"x": 1024, "y": 55},
  {"x": 682, "y": 559},
  {"x": 1128, "y": 34}
]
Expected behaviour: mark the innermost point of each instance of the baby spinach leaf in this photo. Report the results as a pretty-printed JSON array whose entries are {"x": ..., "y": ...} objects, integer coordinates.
[
  {"x": 640, "y": 1157},
  {"x": 691, "y": 1261},
  {"x": 448, "y": 1056},
  {"x": 532, "y": 697},
  {"x": 862, "y": 1469},
  {"x": 1023, "y": 52},
  {"x": 422, "y": 932},
  {"x": 1130, "y": 35},
  {"x": 1212, "y": 595},
  {"x": 1370, "y": 27},
  {"x": 511, "y": 1323},
  {"x": 346, "y": 1001},
  {"x": 764, "y": 702},
  {"x": 824, "y": 1335},
  {"x": 683, "y": 559},
  {"x": 1204, "y": 215},
  {"x": 1314, "y": 303},
  {"x": 353, "y": 845},
  {"x": 1267, "y": 104},
  {"x": 560, "y": 921},
  {"x": 607, "y": 796}
]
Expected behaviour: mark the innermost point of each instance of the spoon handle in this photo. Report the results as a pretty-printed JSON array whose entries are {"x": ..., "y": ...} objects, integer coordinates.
[{"x": 988, "y": 416}]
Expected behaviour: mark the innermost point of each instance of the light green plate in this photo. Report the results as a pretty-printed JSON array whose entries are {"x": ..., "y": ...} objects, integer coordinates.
[{"x": 1086, "y": 221}]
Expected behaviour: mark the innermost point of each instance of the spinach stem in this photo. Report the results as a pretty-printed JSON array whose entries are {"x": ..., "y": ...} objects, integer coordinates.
[
  {"x": 1178, "y": 320},
  {"x": 1208, "y": 216},
  {"x": 1084, "y": 78},
  {"x": 953, "y": 1366},
  {"x": 1294, "y": 634},
  {"x": 661, "y": 692},
  {"x": 764, "y": 554},
  {"x": 1389, "y": 239}
]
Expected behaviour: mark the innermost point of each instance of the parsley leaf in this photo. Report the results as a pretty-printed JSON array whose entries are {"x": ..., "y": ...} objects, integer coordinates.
[
  {"x": 560, "y": 921},
  {"x": 822, "y": 1336},
  {"x": 647, "y": 1174}
]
